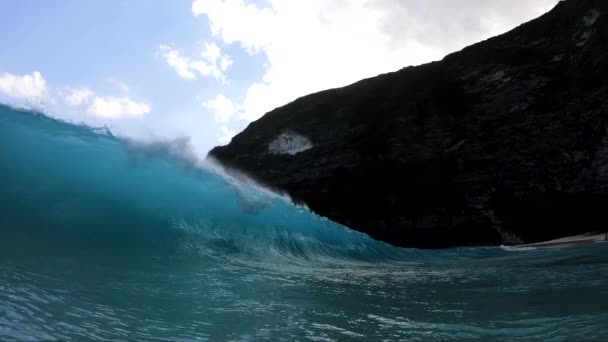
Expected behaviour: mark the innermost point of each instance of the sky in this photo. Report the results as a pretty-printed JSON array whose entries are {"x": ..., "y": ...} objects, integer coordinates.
[{"x": 204, "y": 69}]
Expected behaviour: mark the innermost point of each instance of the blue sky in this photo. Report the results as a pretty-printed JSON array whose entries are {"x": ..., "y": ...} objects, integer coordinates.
[{"x": 160, "y": 70}]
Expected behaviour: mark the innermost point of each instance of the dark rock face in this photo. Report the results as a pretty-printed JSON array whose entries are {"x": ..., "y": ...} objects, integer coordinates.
[{"x": 503, "y": 142}]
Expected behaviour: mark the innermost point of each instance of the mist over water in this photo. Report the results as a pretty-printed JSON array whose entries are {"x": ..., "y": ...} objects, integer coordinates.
[{"x": 102, "y": 238}]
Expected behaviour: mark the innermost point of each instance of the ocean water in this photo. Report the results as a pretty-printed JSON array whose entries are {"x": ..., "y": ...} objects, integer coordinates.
[{"x": 104, "y": 239}]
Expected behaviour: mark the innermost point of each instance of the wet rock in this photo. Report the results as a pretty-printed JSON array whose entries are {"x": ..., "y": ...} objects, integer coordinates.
[{"x": 502, "y": 142}]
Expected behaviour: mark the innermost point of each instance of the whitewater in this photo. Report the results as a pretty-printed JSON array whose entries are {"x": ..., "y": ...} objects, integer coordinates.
[{"x": 106, "y": 239}]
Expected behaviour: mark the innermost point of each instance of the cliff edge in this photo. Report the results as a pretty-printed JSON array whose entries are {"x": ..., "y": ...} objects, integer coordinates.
[{"x": 504, "y": 142}]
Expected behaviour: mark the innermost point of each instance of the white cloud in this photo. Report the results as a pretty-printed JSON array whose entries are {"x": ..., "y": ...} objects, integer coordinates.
[
  {"x": 226, "y": 136},
  {"x": 122, "y": 86},
  {"x": 32, "y": 90},
  {"x": 78, "y": 97},
  {"x": 318, "y": 44},
  {"x": 212, "y": 62},
  {"x": 223, "y": 108},
  {"x": 454, "y": 24},
  {"x": 179, "y": 63},
  {"x": 238, "y": 22},
  {"x": 23, "y": 87},
  {"x": 116, "y": 107},
  {"x": 109, "y": 107}
]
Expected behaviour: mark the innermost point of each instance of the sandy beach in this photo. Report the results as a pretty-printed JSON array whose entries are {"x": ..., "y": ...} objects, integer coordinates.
[{"x": 570, "y": 241}]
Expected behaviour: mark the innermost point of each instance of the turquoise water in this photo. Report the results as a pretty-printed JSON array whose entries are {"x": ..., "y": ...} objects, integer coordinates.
[{"x": 107, "y": 239}]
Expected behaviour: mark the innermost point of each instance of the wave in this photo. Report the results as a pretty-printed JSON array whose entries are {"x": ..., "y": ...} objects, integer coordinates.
[
  {"x": 75, "y": 188},
  {"x": 106, "y": 238}
]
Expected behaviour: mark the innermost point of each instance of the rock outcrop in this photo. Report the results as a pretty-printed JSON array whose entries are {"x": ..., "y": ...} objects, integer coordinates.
[{"x": 503, "y": 142}]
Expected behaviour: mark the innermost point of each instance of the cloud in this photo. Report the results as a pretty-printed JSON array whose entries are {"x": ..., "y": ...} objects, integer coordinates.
[
  {"x": 32, "y": 90},
  {"x": 223, "y": 108},
  {"x": 453, "y": 24},
  {"x": 117, "y": 107},
  {"x": 122, "y": 86},
  {"x": 212, "y": 63},
  {"x": 236, "y": 21},
  {"x": 319, "y": 44},
  {"x": 108, "y": 107},
  {"x": 226, "y": 136},
  {"x": 78, "y": 97},
  {"x": 177, "y": 62},
  {"x": 23, "y": 87},
  {"x": 224, "y": 111}
]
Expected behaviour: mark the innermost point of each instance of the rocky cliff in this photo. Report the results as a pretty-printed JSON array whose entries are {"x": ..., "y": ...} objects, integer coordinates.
[{"x": 503, "y": 142}]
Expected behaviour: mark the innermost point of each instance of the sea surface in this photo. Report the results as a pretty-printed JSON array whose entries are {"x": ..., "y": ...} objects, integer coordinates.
[{"x": 107, "y": 239}]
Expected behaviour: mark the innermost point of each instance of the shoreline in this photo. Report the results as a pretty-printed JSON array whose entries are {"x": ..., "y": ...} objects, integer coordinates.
[{"x": 570, "y": 241}]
